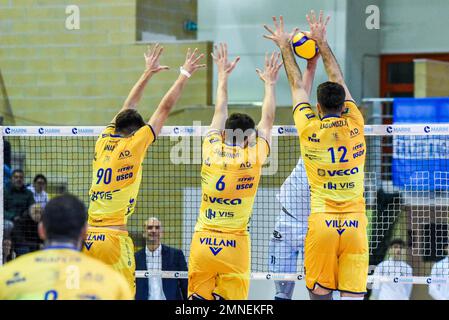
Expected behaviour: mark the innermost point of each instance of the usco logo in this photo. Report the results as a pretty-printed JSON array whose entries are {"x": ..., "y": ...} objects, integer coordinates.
[
  {"x": 427, "y": 129},
  {"x": 176, "y": 275},
  {"x": 389, "y": 129},
  {"x": 75, "y": 130},
  {"x": 41, "y": 130},
  {"x": 176, "y": 130},
  {"x": 7, "y": 130}
]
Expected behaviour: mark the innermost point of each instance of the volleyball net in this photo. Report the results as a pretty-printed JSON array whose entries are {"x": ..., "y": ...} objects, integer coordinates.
[{"x": 406, "y": 190}]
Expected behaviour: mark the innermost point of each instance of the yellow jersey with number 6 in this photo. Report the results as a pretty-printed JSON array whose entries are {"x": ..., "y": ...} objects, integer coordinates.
[
  {"x": 60, "y": 273},
  {"x": 116, "y": 176},
  {"x": 230, "y": 177},
  {"x": 333, "y": 149}
]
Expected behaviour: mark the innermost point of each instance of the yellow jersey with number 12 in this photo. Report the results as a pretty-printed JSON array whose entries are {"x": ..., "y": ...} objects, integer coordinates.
[
  {"x": 116, "y": 176},
  {"x": 333, "y": 149},
  {"x": 60, "y": 273},
  {"x": 230, "y": 177}
]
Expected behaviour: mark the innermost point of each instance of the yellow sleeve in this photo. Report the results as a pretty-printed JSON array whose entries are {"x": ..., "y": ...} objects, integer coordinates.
[
  {"x": 213, "y": 137},
  {"x": 144, "y": 136},
  {"x": 352, "y": 112},
  {"x": 263, "y": 149},
  {"x": 303, "y": 115}
]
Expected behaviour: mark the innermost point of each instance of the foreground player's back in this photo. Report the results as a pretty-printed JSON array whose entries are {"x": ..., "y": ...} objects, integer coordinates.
[{"x": 61, "y": 274}]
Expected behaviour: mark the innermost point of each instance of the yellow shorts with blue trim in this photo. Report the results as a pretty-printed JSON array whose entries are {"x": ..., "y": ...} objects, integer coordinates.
[
  {"x": 115, "y": 248},
  {"x": 336, "y": 252},
  {"x": 219, "y": 266}
]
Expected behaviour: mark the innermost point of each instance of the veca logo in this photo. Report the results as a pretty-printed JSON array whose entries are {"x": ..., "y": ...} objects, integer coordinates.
[
  {"x": 232, "y": 202},
  {"x": 7, "y": 130},
  {"x": 75, "y": 130},
  {"x": 341, "y": 172},
  {"x": 389, "y": 129},
  {"x": 427, "y": 129},
  {"x": 40, "y": 130}
]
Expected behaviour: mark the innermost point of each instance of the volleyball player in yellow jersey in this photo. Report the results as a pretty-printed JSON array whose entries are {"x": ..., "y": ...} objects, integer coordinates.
[
  {"x": 60, "y": 271},
  {"x": 233, "y": 154},
  {"x": 117, "y": 167},
  {"x": 333, "y": 149}
]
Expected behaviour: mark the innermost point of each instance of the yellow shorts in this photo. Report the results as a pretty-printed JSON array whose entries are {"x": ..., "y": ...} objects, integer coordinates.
[
  {"x": 336, "y": 252},
  {"x": 219, "y": 266},
  {"x": 115, "y": 248}
]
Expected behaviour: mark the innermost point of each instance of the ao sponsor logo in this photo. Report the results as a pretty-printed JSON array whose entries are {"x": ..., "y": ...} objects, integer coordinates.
[
  {"x": 355, "y": 132},
  {"x": 124, "y": 154}
]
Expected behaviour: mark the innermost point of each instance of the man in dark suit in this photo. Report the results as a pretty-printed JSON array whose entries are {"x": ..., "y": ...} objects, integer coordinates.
[{"x": 158, "y": 257}]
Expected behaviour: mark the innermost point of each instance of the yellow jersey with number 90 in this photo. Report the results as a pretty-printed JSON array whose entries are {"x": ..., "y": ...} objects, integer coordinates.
[
  {"x": 117, "y": 173},
  {"x": 230, "y": 177},
  {"x": 333, "y": 149}
]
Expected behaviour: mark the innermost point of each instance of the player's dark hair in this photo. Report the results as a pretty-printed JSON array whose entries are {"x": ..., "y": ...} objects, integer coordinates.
[
  {"x": 64, "y": 217},
  {"x": 128, "y": 121},
  {"x": 40, "y": 176},
  {"x": 399, "y": 242},
  {"x": 331, "y": 97},
  {"x": 240, "y": 121},
  {"x": 17, "y": 171}
]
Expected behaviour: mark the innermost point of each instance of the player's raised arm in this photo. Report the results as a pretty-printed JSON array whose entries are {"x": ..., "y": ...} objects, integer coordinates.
[
  {"x": 189, "y": 67},
  {"x": 318, "y": 33},
  {"x": 309, "y": 74},
  {"x": 220, "y": 56},
  {"x": 152, "y": 67},
  {"x": 269, "y": 76},
  {"x": 283, "y": 40}
]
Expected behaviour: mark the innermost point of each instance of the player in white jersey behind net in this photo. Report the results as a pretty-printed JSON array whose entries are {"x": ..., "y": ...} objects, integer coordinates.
[{"x": 287, "y": 240}]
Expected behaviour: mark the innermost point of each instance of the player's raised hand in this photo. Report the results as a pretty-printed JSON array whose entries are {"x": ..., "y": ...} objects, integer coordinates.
[
  {"x": 279, "y": 35},
  {"x": 317, "y": 26},
  {"x": 220, "y": 56},
  {"x": 152, "y": 59},
  {"x": 314, "y": 60},
  {"x": 270, "y": 74},
  {"x": 191, "y": 64}
]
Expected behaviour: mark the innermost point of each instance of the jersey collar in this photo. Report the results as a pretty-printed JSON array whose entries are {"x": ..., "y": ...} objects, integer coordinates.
[
  {"x": 330, "y": 116},
  {"x": 61, "y": 246}
]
